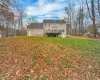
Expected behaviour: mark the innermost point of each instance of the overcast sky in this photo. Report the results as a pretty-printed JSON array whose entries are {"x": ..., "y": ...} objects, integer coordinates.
[{"x": 44, "y": 9}]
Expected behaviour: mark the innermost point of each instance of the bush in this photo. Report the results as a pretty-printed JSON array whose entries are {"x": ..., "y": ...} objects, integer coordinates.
[{"x": 89, "y": 35}]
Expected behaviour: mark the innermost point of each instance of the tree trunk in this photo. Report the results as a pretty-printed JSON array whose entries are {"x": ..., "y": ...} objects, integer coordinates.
[{"x": 93, "y": 18}]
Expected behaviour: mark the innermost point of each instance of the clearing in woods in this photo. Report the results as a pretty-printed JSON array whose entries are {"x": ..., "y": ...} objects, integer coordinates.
[{"x": 44, "y": 58}]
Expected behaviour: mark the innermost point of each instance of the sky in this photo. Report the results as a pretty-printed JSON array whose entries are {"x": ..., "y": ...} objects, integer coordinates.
[{"x": 44, "y": 9}]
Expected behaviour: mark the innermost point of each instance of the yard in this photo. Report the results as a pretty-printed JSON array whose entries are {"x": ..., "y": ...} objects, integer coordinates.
[{"x": 48, "y": 58}]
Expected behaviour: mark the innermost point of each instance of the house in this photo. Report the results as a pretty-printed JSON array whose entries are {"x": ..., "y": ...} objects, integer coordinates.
[
  {"x": 49, "y": 28},
  {"x": 35, "y": 29},
  {"x": 54, "y": 28}
]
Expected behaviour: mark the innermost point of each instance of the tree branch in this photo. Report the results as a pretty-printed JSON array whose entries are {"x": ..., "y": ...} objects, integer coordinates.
[{"x": 89, "y": 10}]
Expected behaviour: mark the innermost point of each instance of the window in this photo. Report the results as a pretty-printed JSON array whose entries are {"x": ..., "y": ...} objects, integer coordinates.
[
  {"x": 45, "y": 24},
  {"x": 62, "y": 30},
  {"x": 48, "y": 29}
]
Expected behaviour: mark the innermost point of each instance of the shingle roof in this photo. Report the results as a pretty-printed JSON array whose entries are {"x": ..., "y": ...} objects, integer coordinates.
[
  {"x": 35, "y": 26},
  {"x": 54, "y": 21}
]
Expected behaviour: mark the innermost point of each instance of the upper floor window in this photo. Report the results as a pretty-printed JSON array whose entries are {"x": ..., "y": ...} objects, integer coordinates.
[{"x": 60, "y": 23}]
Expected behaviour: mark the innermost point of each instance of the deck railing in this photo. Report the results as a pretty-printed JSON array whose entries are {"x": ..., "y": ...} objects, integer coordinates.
[{"x": 54, "y": 31}]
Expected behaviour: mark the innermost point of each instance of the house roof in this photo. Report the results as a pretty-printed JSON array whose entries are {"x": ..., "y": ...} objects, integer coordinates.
[
  {"x": 54, "y": 21},
  {"x": 35, "y": 26}
]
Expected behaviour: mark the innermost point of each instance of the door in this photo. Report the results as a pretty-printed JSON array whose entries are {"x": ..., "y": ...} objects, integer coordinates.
[{"x": 29, "y": 33}]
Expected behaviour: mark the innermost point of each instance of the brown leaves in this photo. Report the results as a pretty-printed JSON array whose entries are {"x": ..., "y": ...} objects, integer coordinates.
[{"x": 31, "y": 56}]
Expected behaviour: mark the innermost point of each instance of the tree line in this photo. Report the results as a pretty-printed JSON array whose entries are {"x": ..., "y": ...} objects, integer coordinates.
[
  {"x": 81, "y": 14},
  {"x": 11, "y": 17}
]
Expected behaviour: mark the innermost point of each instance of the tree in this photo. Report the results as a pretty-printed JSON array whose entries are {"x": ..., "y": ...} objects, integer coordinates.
[
  {"x": 97, "y": 10},
  {"x": 69, "y": 18},
  {"x": 98, "y": 6},
  {"x": 75, "y": 17},
  {"x": 80, "y": 17},
  {"x": 33, "y": 20},
  {"x": 11, "y": 16},
  {"x": 92, "y": 15}
]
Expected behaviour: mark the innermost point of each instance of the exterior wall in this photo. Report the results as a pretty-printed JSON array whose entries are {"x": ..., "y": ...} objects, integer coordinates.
[
  {"x": 34, "y": 32},
  {"x": 99, "y": 30},
  {"x": 56, "y": 26}
]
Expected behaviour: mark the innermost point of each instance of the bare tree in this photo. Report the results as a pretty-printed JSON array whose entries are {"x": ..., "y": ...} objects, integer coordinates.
[
  {"x": 75, "y": 17},
  {"x": 81, "y": 18},
  {"x": 98, "y": 6},
  {"x": 8, "y": 17},
  {"x": 97, "y": 10},
  {"x": 92, "y": 15},
  {"x": 69, "y": 11}
]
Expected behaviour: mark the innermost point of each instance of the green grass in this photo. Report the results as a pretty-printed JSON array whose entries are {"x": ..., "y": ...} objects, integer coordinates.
[
  {"x": 76, "y": 43},
  {"x": 84, "y": 45}
]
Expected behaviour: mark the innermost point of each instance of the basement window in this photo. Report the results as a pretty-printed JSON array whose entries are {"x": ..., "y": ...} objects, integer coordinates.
[{"x": 63, "y": 30}]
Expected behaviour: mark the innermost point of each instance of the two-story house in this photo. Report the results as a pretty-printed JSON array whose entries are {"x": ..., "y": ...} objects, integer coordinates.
[
  {"x": 54, "y": 28},
  {"x": 49, "y": 28}
]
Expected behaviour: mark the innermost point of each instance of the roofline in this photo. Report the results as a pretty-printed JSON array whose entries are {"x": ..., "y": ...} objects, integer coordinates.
[
  {"x": 53, "y": 20},
  {"x": 29, "y": 27}
]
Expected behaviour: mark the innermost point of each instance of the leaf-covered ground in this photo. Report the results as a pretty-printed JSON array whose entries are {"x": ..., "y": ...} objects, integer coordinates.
[{"x": 47, "y": 58}]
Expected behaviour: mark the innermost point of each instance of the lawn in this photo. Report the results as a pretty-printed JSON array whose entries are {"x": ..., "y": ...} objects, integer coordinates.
[{"x": 49, "y": 58}]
